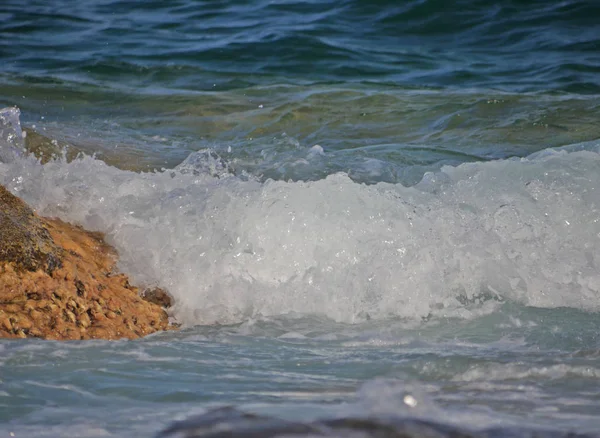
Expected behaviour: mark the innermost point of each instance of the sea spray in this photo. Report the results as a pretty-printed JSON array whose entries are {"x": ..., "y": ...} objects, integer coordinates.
[
  {"x": 455, "y": 245},
  {"x": 11, "y": 135}
]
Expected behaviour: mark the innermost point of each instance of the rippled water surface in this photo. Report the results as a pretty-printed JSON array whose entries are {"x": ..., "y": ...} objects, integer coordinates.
[{"x": 385, "y": 212}]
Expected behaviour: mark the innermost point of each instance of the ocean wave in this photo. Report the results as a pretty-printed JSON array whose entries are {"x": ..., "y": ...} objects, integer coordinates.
[{"x": 229, "y": 248}]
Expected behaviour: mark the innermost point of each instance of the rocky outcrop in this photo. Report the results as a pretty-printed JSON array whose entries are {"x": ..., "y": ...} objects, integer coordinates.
[{"x": 57, "y": 281}]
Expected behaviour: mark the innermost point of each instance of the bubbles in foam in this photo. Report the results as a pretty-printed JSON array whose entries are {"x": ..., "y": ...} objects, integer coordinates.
[{"x": 229, "y": 249}]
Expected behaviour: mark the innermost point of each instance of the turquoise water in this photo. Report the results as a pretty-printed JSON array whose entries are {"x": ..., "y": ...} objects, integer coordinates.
[{"x": 363, "y": 210}]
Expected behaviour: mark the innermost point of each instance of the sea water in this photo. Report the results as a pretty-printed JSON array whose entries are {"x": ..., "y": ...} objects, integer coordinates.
[{"x": 364, "y": 211}]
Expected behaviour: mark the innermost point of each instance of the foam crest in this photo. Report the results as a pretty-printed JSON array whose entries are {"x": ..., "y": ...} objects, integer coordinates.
[{"x": 229, "y": 249}]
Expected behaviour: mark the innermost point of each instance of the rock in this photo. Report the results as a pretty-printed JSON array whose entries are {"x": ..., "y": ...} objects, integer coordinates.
[
  {"x": 57, "y": 281},
  {"x": 232, "y": 423},
  {"x": 25, "y": 241},
  {"x": 157, "y": 296}
]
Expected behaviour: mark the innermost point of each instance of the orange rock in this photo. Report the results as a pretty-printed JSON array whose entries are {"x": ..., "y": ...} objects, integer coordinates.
[
  {"x": 6, "y": 324},
  {"x": 57, "y": 282},
  {"x": 25, "y": 324},
  {"x": 84, "y": 320}
]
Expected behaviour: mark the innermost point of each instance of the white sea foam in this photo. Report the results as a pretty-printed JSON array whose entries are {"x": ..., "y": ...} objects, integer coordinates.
[{"x": 229, "y": 249}]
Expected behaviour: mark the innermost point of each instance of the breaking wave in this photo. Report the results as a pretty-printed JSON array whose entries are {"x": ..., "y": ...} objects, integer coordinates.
[{"x": 456, "y": 244}]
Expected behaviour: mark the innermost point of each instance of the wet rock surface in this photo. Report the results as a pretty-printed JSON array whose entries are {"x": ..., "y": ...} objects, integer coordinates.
[
  {"x": 228, "y": 422},
  {"x": 57, "y": 281},
  {"x": 24, "y": 240},
  {"x": 157, "y": 296}
]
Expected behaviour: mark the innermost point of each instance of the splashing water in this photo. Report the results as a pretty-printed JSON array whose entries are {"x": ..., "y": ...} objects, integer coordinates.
[
  {"x": 457, "y": 244},
  {"x": 11, "y": 135}
]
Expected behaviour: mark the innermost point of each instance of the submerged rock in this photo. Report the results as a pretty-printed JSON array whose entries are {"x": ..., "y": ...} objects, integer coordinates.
[
  {"x": 229, "y": 422},
  {"x": 57, "y": 281}
]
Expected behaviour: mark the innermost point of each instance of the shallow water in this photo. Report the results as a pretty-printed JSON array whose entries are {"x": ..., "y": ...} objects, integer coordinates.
[
  {"x": 362, "y": 210},
  {"x": 519, "y": 368}
]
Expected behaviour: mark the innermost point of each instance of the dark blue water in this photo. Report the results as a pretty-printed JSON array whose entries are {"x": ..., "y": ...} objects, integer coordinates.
[
  {"x": 515, "y": 46},
  {"x": 378, "y": 218},
  {"x": 413, "y": 85}
]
